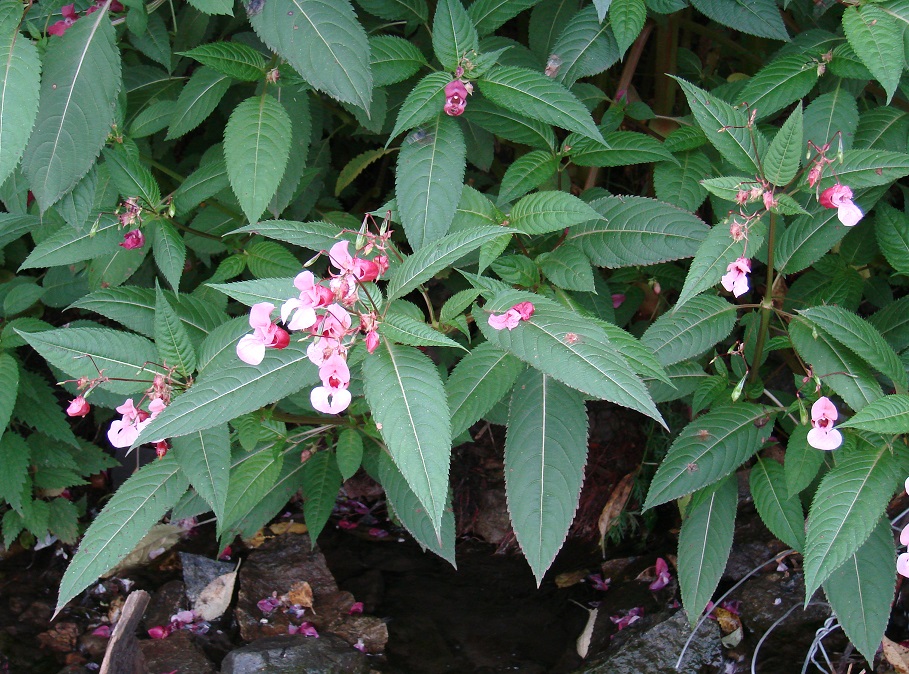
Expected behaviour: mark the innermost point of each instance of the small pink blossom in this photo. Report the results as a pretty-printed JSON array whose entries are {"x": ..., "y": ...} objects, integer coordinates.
[
  {"x": 251, "y": 348},
  {"x": 372, "y": 341},
  {"x": 225, "y": 554},
  {"x": 511, "y": 318},
  {"x": 336, "y": 323},
  {"x": 303, "y": 307},
  {"x": 902, "y": 564},
  {"x": 735, "y": 280},
  {"x": 114, "y": 7},
  {"x": 840, "y": 197},
  {"x": 78, "y": 407},
  {"x": 741, "y": 197},
  {"x": 356, "y": 607},
  {"x": 133, "y": 239},
  {"x": 69, "y": 18},
  {"x": 347, "y": 524},
  {"x": 904, "y": 535},
  {"x": 160, "y": 631},
  {"x": 769, "y": 200},
  {"x": 663, "y": 577},
  {"x": 269, "y": 604},
  {"x": 329, "y": 401},
  {"x": 455, "y": 98},
  {"x": 306, "y": 629},
  {"x": 597, "y": 582},
  {"x": 822, "y": 434},
  {"x": 618, "y": 299},
  {"x": 623, "y": 621},
  {"x": 123, "y": 432},
  {"x": 376, "y": 532},
  {"x": 360, "y": 646},
  {"x": 102, "y": 631},
  {"x": 814, "y": 173}
]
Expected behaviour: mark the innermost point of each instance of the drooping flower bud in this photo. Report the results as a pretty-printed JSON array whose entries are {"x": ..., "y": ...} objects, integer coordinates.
[
  {"x": 455, "y": 98},
  {"x": 133, "y": 239},
  {"x": 78, "y": 407}
]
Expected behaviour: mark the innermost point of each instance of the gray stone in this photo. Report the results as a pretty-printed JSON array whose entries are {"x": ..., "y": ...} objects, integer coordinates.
[
  {"x": 199, "y": 571},
  {"x": 179, "y": 652},
  {"x": 296, "y": 654},
  {"x": 655, "y": 650}
]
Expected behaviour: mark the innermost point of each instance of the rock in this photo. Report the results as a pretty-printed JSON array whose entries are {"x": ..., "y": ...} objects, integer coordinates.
[
  {"x": 371, "y": 631},
  {"x": 62, "y": 637},
  {"x": 165, "y": 602},
  {"x": 493, "y": 523},
  {"x": 38, "y": 614},
  {"x": 199, "y": 571},
  {"x": 179, "y": 652},
  {"x": 296, "y": 654},
  {"x": 656, "y": 649},
  {"x": 767, "y": 597}
]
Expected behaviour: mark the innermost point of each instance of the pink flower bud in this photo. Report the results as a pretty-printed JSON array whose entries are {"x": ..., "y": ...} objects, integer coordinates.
[
  {"x": 78, "y": 407},
  {"x": 133, "y": 239},
  {"x": 372, "y": 341},
  {"x": 455, "y": 98}
]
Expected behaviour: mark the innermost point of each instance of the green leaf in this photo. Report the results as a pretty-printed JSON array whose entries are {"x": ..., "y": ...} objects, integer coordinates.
[
  {"x": 9, "y": 387},
  {"x": 891, "y": 228},
  {"x": 861, "y": 590},
  {"x": 256, "y": 148},
  {"x": 837, "y": 367},
  {"x": 726, "y": 127},
  {"x": 422, "y": 105},
  {"x": 627, "y": 18},
  {"x": 568, "y": 347},
  {"x": 153, "y": 40},
  {"x": 174, "y": 347},
  {"x": 620, "y": 148},
  {"x": 38, "y": 407},
  {"x": 411, "y": 11},
  {"x": 79, "y": 88},
  {"x": 704, "y": 544},
  {"x": 854, "y": 333},
  {"x": 316, "y": 236},
  {"x": 545, "y": 212},
  {"x": 204, "y": 182},
  {"x": 526, "y": 173},
  {"x": 453, "y": 34},
  {"x": 81, "y": 352},
  {"x": 640, "y": 357},
  {"x": 802, "y": 461},
  {"x": 267, "y": 259},
  {"x": 708, "y": 449},
  {"x": 835, "y": 111},
  {"x": 782, "y": 159},
  {"x": 848, "y": 503},
  {"x": 20, "y": 79},
  {"x": 690, "y": 329},
  {"x": 779, "y": 83},
  {"x": 512, "y": 126},
  {"x": 638, "y": 231},
  {"x": 131, "y": 177},
  {"x": 355, "y": 167},
  {"x": 404, "y": 329},
  {"x": 274, "y": 290},
  {"x": 876, "y": 37},
  {"x": 679, "y": 183},
  {"x": 407, "y": 399},
  {"x": 889, "y": 414},
  {"x": 530, "y": 93},
  {"x": 568, "y": 268},
  {"x": 197, "y": 100},
  {"x": 234, "y": 59},
  {"x": 868, "y": 168},
  {"x": 321, "y": 482},
  {"x": 14, "y": 463},
  {"x": 349, "y": 452},
  {"x": 393, "y": 59},
  {"x": 204, "y": 457},
  {"x": 807, "y": 239},
  {"x": 760, "y": 17},
  {"x": 882, "y": 128},
  {"x": 487, "y": 15},
  {"x": 781, "y": 513},
  {"x": 429, "y": 181},
  {"x": 413, "y": 514},
  {"x": 213, "y": 7},
  {"x": 545, "y": 454},
  {"x": 717, "y": 251},
  {"x": 477, "y": 383},
  {"x": 585, "y": 46},
  {"x": 64, "y": 520},
  {"x": 323, "y": 41},
  {"x": 136, "y": 506},
  {"x": 170, "y": 252},
  {"x": 229, "y": 392},
  {"x": 250, "y": 482}
]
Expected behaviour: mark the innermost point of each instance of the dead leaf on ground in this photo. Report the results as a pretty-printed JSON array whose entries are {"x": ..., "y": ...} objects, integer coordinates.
[
  {"x": 288, "y": 527},
  {"x": 569, "y": 578},
  {"x": 215, "y": 598},
  {"x": 300, "y": 593},
  {"x": 161, "y": 537},
  {"x": 728, "y": 621},
  {"x": 615, "y": 505},
  {"x": 897, "y": 656},
  {"x": 583, "y": 643}
]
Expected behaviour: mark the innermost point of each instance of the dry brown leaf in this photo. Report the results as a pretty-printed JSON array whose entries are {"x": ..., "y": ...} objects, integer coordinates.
[
  {"x": 256, "y": 540},
  {"x": 288, "y": 527},
  {"x": 615, "y": 505},
  {"x": 300, "y": 593},
  {"x": 728, "y": 621},
  {"x": 897, "y": 656},
  {"x": 583, "y": 643},
  {"x": 215, "y": 598},
  {"x": 161, "y": 536},
  {"x": 570, "y": 578}
]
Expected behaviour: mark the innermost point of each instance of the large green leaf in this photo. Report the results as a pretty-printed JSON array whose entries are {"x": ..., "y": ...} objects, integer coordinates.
[
  {"x": 526, "y": 173},
  {"x": 830, "y": 113},
  {"x": 621, "y": 148},
  {"x": 487, "y": 15},
  {"x": 76, "y": 108},
  {"x": 256, "y": 148},
  {"x": 755, "y": 17},
  {"x": 197, "y": 101},
  {"x": 511, "y": 125},
  {"x": 848, "y": 503},
  {"x": 316, "y": 236},
  {"x": 568, "y": 347},
  {"x": 131, "y": 177},
  {"x": 807, "y": 239},
  {"x": 204, "y": 457},
  {"x": 679, "y": 183},
  {"x": 585, "y": 46},
  {"x": 779, "y": 83},
  {"x": 544, "y": 212},
  {"x": 228, "y": 392},
  {"x": 861, "y": 590},
  {"x": 453, "y": 34},
  {"x": 9, "y": 387},
  {"x": 250, "y": 482},
  {"x": 204, "y": 182},
  {"x": 136, "y": 506},
  {"x": 174, "y": 346},
  {"x": 408, "y": 402},
  {"x": 545, "y": 454},
  {"x": 708, "y": 449},
  {"x": 891, "y": 229},
  {"x": 274, "y": 290},
  {"x": 802, "y": 461},
  {"x": 477, "y": 383},
  {"x": 782, "y": 159},
  {"x": 704, "y": 544},
  {"x": 393, "y": 59},
  {"x": 14, "y": 470},
  {"x": 429, "y": 180},
  {"x": 781, "y": 512},
  {"x": 422, "y": 104},
  {"x": 403, "y": 329},
  {"x": 533, "y": 94},
  {"x": 638, "y": 231},
  {"x": 876, "y": 37},
  {"x": 235, "y": 59},
  {"x": 411, "y": 11},
  {"x": 691, "y": 329},
  {"x": 324, "y": 42},
  {"x": 727, "y": 128},
  {"x": 170, "y": 251},
  {"x": 20, "y": 79},
  {"x": 321, "y": 482},
  {"x": 889, "y": 414},
  {"x": 868, "y": 168},
  {"x": 82, "y": 352}
]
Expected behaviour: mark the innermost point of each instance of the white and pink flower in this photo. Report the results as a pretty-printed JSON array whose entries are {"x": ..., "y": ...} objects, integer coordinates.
[
  {"x": 840, "y": 197},
  {"x": 511, "y": 318},
  {"x": 251, "y": 348},
  {"x": 735, "y": 280},
  {"x": 822, "y": 434}
]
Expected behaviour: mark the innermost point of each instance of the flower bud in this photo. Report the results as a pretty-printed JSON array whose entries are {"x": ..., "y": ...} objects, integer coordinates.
[
  {"x": 78, "y": 407},
  {"x": 133, "y": 239}
]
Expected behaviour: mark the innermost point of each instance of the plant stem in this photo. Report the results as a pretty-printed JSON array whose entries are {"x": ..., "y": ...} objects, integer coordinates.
[{"x": 766, "y": 305}]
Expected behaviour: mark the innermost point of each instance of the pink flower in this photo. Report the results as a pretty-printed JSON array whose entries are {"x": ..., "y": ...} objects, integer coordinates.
[
  {"x": 360, "y": 646},
  {"x": 735, "y": 280},
  {"x": 123, "y": 432},
  {"x": 904, "y": 535},
  {"x": 840, "y": 197},
  {"x": 598, "y": 582},
  {"x": 455, "y": 98},
  {"x": 769, "y": 201},
  {"x": 822, "y": 434},
  {"x": 306, "y": 629},
  {"x": 114, "y": 7},
  {"x": 133, "y": 239},
  {"x": 629, "y": 618},
  {"x": 78, "y": 407},
  {"x": 814, "y": 174},
  {"x": 356, "y": 607},
  {"x": 902, "y": 564},
  {"x": 329, "y": 401},
  {"x": 303, "y": 307},
  {"x": 69, "y": 18},
  {"x": 102, "y": 631},
  {"x": 337, "y": 322},
  {"x": 268, "y": 605},
  {"x": 618, "y": 299},
  {"x": 511, "y": 318},
  {"x": 347, "y": 524},
  {"x": 251, "y": 348},
  {"x": 160, "y": 632},
  {"x": 663, "y": 577},
  {"x": 372, "y": 341}
]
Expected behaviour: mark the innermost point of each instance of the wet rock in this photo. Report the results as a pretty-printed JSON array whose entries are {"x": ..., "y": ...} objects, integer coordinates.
[
  {"x": 766, "y": 598},
  {"x": 493, "y": 523},
  {"x": 61, "y": 638},
  {"x": 38, "y": 614},
  {"x": 656, "y": 649},
  {"x": 179, "y": 652},
  {"x": 165, "y": 602},
  {"x": 199, "y": 571},
  {"x": 296, "y": 654},
  {"x": 92, "y": 644},
  {"x": 368, "y": 630}
]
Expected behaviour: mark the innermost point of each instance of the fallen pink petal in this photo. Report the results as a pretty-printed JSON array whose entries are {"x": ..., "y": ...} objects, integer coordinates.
[
  {"x": 663, "y": 577},
  {"x": 356, "y": 607}
]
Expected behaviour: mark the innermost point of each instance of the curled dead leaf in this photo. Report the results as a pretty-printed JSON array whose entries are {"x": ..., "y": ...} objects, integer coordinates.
[
  {"x": 615, "y": 505},
  {"x": 583, "y": 643},
  {"x": 569, "y": 578},
  {"x": 897, "y": 656},
  {"x": 300, "y": 593},
  {"x": 214, "y": 599}
]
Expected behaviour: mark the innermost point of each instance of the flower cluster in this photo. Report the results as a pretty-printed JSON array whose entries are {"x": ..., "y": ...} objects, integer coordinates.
[
  {"x": 822, "y": 434},
  {"x": 323, "y": 311},
  {"x": 511, "y": 318},
  {"x": 70, "y": 16},
  {"x": 902, "y": 562}
]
